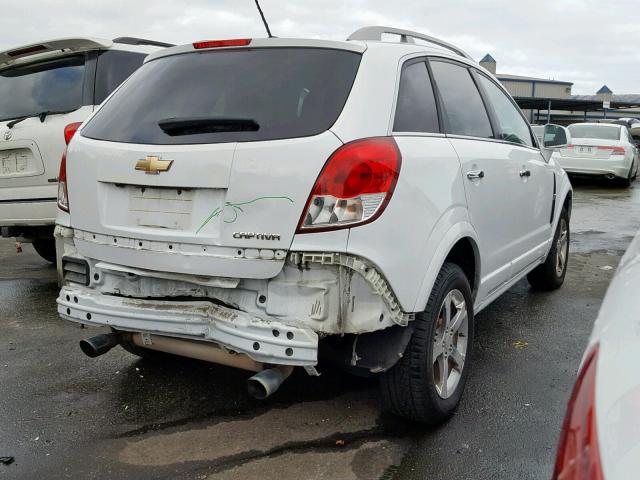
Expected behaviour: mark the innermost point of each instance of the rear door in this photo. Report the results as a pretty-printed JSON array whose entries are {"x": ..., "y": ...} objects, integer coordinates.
[
  {"x": 211, "y": 155},
  {"x": 492, "y": 193},
  {"x": 534, "y": 179}
]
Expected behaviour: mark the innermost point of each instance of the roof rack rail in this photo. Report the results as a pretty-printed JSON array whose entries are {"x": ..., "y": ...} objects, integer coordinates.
[
  {"x": 141, "y": 41},
  {"x": 406, "y": 36}
]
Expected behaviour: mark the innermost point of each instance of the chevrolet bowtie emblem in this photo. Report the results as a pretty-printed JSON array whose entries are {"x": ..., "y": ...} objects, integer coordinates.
[{"x": 153, "y": 165}]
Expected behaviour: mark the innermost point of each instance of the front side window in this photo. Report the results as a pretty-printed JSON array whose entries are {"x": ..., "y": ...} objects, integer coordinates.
[
  {"x": 513, "y": 128},
  {"x": 50, "y": 86},
  {"x": 416, "y": 108},
  {"x": 462, "y": 103}
]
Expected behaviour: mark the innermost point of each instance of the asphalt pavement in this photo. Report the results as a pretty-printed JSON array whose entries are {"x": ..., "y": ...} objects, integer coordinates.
[{"x": 63, "y": 415}]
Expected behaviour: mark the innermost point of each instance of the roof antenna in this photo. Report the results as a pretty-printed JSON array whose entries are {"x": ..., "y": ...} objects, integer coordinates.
[{"x": 264, "y": 20}]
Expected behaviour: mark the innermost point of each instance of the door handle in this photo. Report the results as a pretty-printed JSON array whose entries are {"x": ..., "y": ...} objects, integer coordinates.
[
  {"x": 475, "y": 174},
  {"x": 525, "y": 173}
]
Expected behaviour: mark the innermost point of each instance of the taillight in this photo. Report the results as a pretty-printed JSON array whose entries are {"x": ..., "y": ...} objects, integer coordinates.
[
  {"x": 614, "y": 150},
  {"x": 578, "y": 456},
  {"x": 63, "y": 195},
  {"x": 236, "y": 42},
  {"x": 354, "y": 187},
  {"x": 70, "y": 130}
]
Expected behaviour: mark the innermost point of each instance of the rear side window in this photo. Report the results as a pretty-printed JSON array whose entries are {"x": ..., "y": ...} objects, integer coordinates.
[
  {"x": 513, "y": 128},
  {"x": 114, "y": 67},
  {"x": 229, "y": 96},
  {"x": 416, "y": 108},
  {"x": 52, "y": 86},
  {"x": 463, "y": 107}
]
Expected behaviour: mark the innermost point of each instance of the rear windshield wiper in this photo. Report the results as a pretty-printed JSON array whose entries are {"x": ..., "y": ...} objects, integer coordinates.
[
  {"x": 195, "y": 125},
  {"x": 41, "y": 115}
]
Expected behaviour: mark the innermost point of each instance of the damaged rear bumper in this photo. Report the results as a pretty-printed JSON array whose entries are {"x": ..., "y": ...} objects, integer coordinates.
[{"x": 264, "y": 340}]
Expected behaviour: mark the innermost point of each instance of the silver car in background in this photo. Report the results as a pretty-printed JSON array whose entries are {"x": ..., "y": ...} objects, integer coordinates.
[
  {"x": 600, "y": 149},
  {"x": 600, "y": 437}
]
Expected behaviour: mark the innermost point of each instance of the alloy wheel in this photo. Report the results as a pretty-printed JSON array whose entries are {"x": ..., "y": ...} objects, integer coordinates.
[
  {"x": 562, "y": 247},
  {"x": 450, "y": 343}
]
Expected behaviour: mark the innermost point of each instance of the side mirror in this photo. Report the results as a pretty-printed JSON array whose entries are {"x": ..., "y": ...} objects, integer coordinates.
[{"x": 555, "y": 136}]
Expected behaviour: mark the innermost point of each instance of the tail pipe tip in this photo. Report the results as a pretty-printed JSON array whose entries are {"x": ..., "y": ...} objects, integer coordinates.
[
  {"x": 99, "y": 345},
  {"x": 266, "y": 382}
]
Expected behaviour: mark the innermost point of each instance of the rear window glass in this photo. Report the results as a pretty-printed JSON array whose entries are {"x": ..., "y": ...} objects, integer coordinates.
[
  {"x": 114, "y": 67},
  {"x": 227, "y": 96},
  {"x": 600, "y": 132},
  {"x": 53, "y": 86}
]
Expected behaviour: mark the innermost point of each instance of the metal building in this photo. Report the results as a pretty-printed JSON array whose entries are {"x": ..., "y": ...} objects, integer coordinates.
[
  {"x": 545, "y": 100},
  {"x": 528, "y": 87}
]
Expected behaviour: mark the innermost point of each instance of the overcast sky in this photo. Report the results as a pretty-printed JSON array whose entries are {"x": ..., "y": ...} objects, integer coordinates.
[{"x": 587, "y": 42}]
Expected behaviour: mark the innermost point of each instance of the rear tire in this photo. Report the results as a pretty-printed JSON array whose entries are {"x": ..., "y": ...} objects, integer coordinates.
[
  {"x": 427, "y": 389},
  {"x": 46, "y": 248},
  {"x": 550, "y": 275},
  {"x": 626, "y": 182}
]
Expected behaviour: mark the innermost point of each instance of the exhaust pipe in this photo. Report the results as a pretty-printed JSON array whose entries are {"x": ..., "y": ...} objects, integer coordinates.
[
  {"x": 609, "y": 176},
  {"x": 205, "y": 351},
  {"x": 266, "y": 382},
  {"x": 99, "y": 345}
]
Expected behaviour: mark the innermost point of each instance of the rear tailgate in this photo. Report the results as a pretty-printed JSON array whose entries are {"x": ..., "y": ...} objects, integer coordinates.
[
  {"x": 44, "y": 49},
  {"x": 37, "y": 100},
  {"x": 591, "y": 148},
  {"x": 228, "y": 210},
  {"x": 234, "y": 140}
]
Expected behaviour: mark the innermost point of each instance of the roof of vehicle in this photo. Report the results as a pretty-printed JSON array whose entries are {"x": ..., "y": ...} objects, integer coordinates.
[
  {"x": 359, "y": 41},
  {"x": 64, "y": 46}
]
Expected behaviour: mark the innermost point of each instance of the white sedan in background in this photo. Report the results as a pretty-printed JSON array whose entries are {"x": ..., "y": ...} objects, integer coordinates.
[
  {"x": 600, "y": 437},
  {"x": 600, "y": 149}
]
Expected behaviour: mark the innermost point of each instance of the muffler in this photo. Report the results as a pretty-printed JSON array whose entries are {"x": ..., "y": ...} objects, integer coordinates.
[
  {"x": 100, "y": 344},
  {"x": 206, "y": 351},
  {"x": 266, "y": 382}
]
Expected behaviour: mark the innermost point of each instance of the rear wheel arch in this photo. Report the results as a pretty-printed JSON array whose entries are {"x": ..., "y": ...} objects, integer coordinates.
[
  {"x": 568, "y": 203},
  {"x": 466, "y": 255},
  {"x": 456, "y": 246}
]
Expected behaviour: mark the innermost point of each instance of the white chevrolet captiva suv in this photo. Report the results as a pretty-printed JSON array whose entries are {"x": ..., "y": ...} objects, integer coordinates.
[
  {"x": 44, "y": 87},
  {"x": 273, "y": 203}
]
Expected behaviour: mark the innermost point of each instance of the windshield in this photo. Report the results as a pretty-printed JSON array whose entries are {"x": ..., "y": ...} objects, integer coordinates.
[
  {"x": 600, "y": 132},
  {"x": 52, "y": 86},
  {"x": 285, "y": 92}
]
